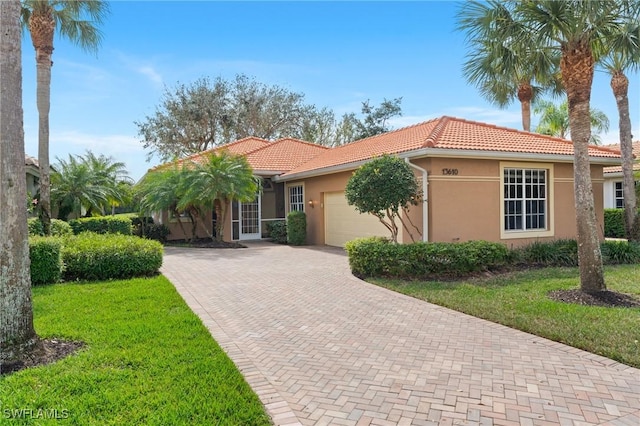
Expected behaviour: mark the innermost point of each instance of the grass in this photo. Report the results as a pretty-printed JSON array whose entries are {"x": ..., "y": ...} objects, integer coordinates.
[
  {"x": 520, "y": 301},
  {"x": 148, "y": 360}
]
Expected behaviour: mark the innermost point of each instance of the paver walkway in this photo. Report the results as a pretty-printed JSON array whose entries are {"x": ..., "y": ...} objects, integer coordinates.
[{"x": 322, "y": 347}]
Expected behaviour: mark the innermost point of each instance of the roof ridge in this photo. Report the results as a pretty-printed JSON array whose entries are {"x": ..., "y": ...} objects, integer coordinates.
[
  {"x": 431, "y": 140},
  {"x": 379, "y": 135},
  {"x": 303, "y": 142},
  {"x": 541, "y": 135}
]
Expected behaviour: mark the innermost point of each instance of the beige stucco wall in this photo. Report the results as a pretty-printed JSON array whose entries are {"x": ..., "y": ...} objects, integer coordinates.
[{"x": 464, "y": 206}]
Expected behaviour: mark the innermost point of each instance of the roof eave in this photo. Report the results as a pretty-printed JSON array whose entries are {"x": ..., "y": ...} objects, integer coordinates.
[{"x": 451, "y": 153}]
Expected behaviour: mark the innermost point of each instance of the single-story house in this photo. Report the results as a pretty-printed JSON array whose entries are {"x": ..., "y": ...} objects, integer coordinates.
[
  {"x": 612, "y": 186},
  {"x": 480, "y": 182}
]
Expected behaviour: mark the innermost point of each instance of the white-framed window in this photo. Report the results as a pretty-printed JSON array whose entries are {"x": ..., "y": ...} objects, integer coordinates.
[
  {"x": 296, "y": 198},
  {"x": 618, "y": 196},
  {"x": 526, "y": 198}
]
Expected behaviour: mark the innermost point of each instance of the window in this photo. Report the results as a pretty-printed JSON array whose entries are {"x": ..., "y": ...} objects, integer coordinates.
[
  {"x": 296, "y": 198},
  {"x": 619, "y": 195},
  {"x": 525, "y": 199}
]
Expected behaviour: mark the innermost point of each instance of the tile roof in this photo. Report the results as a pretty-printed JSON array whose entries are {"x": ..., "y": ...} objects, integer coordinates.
[
  {"x": 284, "y": 155},
  {"x": 448, "y": 133},
  {"x": 279, "y": 156},
  {"x": 618, "y": 169}
]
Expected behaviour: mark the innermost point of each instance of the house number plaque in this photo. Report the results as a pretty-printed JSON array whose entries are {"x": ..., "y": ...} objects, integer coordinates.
[{"x": 452, "y": 172}]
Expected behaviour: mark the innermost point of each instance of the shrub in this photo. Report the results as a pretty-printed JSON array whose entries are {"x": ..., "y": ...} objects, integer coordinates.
[
  {"x": 562, "y": 252},
  {"x": 102, "y": 225},
  {"x": 277, "y": 231},
  {"x": 34, "y": 225},
  {"x": 158, "y": 232},
  {"x": 91, "y": 256},
  {"x": 46, "y": 260},
  {"x": 614, "y": 223},
  {"x": 378, "y": 257},
  {"x": 620, "y": 252},
  {"x": 59, "y": 228},
  {"x": 297, "y": 228}
]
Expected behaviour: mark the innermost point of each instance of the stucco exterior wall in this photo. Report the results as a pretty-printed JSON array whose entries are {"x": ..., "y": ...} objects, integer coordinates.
[{"x": 464, "y": 201}]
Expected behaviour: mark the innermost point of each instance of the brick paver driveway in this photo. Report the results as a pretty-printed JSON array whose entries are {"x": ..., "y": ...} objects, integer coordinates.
[{"x": 322, "y": 347}]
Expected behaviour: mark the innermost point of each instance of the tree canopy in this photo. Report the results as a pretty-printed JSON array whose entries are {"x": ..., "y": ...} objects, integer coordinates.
[
  {"x": 207, "y": 113},
  {"x": 383, "y": 187}
]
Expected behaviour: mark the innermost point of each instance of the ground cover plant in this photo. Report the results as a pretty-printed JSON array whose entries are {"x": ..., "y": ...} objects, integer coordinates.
[
  {"x": 522, "y": 300},
  {"x": 146, "y": 359}
]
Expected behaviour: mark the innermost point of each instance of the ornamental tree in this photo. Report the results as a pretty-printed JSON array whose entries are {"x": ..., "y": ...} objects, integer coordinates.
[{"x": 384, "y": 187}]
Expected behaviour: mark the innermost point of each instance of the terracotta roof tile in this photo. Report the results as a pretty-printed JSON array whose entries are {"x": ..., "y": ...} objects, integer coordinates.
[
  {"x": 239, "y": 147},
  {"x": 618, "y": 169},
  {"x": 447, "y": 133},
  {"x": 284, "y": 155},
  {"x": 281, "y": 155}
]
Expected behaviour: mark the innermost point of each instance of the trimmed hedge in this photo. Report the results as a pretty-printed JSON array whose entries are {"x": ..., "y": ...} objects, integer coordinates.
[
  {"x": 297, "y": 228},
  {"x": 378, "y": 257},
  {"x": 59, "y": 228},
  {"x": 102, "y": 225},
  {"x": 46, "y": 260},
  {"x": 277, "y": 231},
  {"x": 548, "y": 253},
  {"x": 91, "y": 256},
  {"x": 614, "y": 223}
]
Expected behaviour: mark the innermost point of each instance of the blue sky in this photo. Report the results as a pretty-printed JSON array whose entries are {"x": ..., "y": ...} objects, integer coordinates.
[{"x": 338, "y": 54}]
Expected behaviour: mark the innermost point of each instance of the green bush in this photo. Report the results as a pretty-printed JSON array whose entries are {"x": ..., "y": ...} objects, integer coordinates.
[
  {"x": 562, "y": 252},
  {"x": 46, "y": 260},
  {"x": 89, "y": 256},
  {"x": 277, "y": 231},
  {"x": 620, "y": 252},
  {"x": 102, "y": 225},
  {"x": 59, "y": 228},
  {"x": 378, "y": 257},
  {"x": 158, "y": 232},
  {"x": 614, "y": 223},
  {"x": 297, "y": 228}
]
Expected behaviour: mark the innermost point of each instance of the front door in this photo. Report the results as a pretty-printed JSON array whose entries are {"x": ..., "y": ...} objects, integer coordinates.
[{"x": 250, "y": 219}]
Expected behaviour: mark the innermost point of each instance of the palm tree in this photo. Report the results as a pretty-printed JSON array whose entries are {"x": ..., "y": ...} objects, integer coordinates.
[
  {"x": 17, "y": 334},
  {"x": 576, "y": 29},
  {"x": 160, "y": 190},
  {"x": 223, "y": 178},
  {"x": 554, "y": 120},
  {"x": 77, "y": 21},
  {"x": 615, "y": 63},
  {"x": 74, "y": 187},
  {"x": 108, "y": 173},
  {"x": 501, "y": 69}
]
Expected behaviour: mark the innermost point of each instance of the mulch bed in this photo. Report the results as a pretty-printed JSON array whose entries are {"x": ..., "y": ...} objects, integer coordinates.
[{"x": 47, "y": 351}]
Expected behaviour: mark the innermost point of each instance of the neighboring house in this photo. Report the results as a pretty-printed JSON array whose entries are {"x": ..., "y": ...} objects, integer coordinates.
[
  {"x": 33, "y": 175},
  {"x": 480, "y": 182},
  {"x": 612, "y": 187}
]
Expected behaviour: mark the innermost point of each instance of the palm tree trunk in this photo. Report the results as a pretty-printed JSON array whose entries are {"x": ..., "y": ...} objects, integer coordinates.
[
  {"x": 17, "y": 334},
  {"x": 43, "y": 94},
  {"x": 620, "y": 87},
  {"x": 577, "y": 67},
  {"x": 525, "y": 94}
]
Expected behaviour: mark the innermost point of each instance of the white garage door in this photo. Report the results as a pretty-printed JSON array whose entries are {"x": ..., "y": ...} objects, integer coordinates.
[{"x": 342, "y": 222}]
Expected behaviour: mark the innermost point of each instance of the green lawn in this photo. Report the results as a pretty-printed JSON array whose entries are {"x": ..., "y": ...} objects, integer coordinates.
[
  {"x": 148, "y": 360},
  {"x": 519, "y": 300}
]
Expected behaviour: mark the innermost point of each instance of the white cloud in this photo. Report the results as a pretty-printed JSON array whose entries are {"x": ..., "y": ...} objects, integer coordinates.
[
  {"x": 141, "y": 66},
  {"x": 151, "y": 73},
  {"x": 104, "y": 144}
]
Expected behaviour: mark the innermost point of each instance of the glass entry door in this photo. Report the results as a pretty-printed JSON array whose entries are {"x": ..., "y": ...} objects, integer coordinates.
[{"x": 250, "y": 219}]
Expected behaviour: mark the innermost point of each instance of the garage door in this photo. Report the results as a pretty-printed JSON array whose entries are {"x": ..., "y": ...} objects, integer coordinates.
[{"x": 344, "y": 223}]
